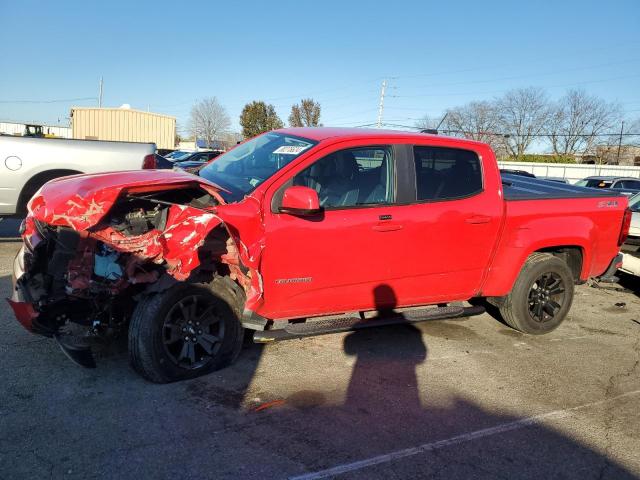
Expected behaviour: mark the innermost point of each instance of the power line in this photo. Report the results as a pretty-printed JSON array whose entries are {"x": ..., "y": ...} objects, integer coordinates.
[
  {"x": 506, "y": 90},
  {"x": 65, "y": 100},
  {"x": 504, "y": 134},
  {"x": 546, "y": 58},
  {"x": 516, "y": 77}
]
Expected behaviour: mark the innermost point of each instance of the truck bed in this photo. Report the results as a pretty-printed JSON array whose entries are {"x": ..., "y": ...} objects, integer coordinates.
[{"x": 517, "y": 187}]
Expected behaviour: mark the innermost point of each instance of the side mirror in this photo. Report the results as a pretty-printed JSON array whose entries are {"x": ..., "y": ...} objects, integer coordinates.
[{"x": 300, "y": 201}]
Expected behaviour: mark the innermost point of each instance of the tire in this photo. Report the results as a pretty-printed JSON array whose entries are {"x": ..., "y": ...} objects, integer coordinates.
[
  {"x": 541, "y": 296},
  {"x": 207, "y": 316}
]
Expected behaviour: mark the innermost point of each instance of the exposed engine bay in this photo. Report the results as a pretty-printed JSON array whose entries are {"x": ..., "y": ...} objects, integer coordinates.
[{"x": 145, "y": 242}]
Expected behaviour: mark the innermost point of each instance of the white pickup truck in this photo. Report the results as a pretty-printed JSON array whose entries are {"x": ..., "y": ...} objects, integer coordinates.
[
  {"x": 631, "y": 248},
  {"x": 28, "y": 163}
]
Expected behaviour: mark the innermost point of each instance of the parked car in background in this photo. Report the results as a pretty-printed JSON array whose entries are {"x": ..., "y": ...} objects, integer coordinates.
[
  {"x": 301, "y": 232},
  {"x": 177, "y": 154},
  {"x": 27, "y": 163},
  {"x": 631, "y": 248},
  {"x": 634, "y": 230},
  {"x": 196, "y": 159},
  {"x": 189, "y": 161},
  {"x": 158, "y": 162},
  {"x": 555, "y": 179},
  {"x": 625, "y": 185},
  {"x": 522, "y": 173}
]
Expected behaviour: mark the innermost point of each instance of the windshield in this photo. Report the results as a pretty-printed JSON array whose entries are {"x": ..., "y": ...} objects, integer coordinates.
[
  {"x": 634, "y": 203},
  {"x": 245, "y": 167},
  {"x": 178, "y": 155}
]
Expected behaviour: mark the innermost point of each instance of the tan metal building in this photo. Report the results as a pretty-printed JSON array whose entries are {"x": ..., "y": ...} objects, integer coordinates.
[{"x": 123, "y": 125}]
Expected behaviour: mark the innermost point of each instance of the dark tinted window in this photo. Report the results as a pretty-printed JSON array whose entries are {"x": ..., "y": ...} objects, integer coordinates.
[
  {"x": 446, "y": 173},
  {"x": 357, "y": 176},
  {"x": 595, "y": 183},
  {"x": 630, "y": 184}
]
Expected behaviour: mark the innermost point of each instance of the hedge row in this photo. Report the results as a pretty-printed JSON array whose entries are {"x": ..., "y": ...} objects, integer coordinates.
[{"x": 542, "y": 158}]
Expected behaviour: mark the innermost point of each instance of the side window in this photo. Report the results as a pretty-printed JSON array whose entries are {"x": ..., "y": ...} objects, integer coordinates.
[
  {"x": 630, "y": 184},
  {"x": 348, "y": 178},
  {"x": 446, "y": 173}
]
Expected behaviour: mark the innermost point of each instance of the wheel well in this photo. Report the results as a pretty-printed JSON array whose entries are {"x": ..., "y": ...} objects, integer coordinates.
[
  {"x": 35, "y": 182},
  {"x": 571, "y": 255}
]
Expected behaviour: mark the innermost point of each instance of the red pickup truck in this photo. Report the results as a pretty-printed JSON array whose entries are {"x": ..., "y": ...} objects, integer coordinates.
[{"x": 302, "y": 232}]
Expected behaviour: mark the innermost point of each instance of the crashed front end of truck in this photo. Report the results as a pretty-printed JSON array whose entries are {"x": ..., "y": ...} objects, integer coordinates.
[{"x": 88, "y": 256}]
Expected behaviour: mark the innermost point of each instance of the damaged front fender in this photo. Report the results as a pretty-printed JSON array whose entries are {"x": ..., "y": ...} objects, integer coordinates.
[{"x": 89, "y": 236}]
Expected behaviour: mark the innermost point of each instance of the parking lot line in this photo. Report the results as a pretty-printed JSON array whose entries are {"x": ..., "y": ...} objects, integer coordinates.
[{"x": 458, "y": 439}]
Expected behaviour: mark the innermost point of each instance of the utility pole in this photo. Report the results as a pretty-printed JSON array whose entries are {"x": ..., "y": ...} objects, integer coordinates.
[
  {"x": 619, "y": 144},
  {"x": 381, "y": 107},
  {"x": 100, "y": 94}
]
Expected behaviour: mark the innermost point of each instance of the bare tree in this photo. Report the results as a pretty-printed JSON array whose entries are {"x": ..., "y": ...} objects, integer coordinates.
[
  {"x": 476, "y": 121},
  {"x": 208, "y": 119},
  {"x": 306, "y": 114},
  {"x": 427, "y": 123},
  {"x": 577, "y": 120},
  {"x": 522, "y": 114}
]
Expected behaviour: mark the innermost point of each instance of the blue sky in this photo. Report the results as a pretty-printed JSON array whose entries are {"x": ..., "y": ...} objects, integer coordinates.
[{"x": 435, "y": 55}]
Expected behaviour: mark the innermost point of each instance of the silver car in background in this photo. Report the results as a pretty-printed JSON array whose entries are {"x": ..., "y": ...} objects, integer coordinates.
[{"x": 28, "y": 163}]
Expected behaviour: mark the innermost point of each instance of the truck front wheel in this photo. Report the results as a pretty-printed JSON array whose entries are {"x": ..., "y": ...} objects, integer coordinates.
[
  {"x": 185, "y": 331},
  {"x": 541, "y": 296}
]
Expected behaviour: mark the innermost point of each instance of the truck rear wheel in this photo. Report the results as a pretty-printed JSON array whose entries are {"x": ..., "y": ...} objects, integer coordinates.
[
  {"x": 185, "y": 331},
  {"x": 541, "y": 296}
]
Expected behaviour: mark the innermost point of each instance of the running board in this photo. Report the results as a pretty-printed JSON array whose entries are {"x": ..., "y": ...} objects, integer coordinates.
[{"x": 312, "y": 328}]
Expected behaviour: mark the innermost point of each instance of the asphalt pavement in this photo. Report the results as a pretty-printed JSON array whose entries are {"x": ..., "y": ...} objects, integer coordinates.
[{"x": 451, "y": 399}]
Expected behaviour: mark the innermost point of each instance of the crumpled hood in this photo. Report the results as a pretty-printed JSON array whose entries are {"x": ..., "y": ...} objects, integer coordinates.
[{"x": 80, "y": 201}]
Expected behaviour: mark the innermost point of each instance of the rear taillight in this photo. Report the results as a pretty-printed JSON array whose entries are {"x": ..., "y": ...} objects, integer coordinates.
[
  {"x": 149, "y": 162},
  {"x": 626, "y": 224}
]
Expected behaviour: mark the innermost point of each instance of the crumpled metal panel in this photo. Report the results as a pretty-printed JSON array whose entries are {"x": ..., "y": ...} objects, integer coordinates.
[{"x": 81, "y": 201}]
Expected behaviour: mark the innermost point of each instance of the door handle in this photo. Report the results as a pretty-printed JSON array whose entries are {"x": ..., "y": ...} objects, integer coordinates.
[
  {"x": 387, "y": 227},
  {"x": 478, "y": 219}
]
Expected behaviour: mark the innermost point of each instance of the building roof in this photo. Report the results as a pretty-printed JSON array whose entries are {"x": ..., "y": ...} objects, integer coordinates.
[{"x": 118, "y": 109}]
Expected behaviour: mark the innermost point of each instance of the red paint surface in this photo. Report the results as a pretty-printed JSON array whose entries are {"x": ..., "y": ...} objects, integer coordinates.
[{"x": 24, "y": 313}]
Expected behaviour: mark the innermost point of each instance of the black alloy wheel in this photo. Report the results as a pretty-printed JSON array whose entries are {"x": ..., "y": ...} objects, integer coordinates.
[
  {"x": 192, "y": 331},
  {"x": 546, "y": 297}
]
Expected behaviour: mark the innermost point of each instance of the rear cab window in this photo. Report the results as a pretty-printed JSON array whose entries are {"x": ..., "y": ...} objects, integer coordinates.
[{"x": 444, "y": 173}]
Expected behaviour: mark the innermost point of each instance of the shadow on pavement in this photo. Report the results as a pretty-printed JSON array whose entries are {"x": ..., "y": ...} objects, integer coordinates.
[
  {"x": 630, "y": 282},
  {"x": 161, "y": 430}
]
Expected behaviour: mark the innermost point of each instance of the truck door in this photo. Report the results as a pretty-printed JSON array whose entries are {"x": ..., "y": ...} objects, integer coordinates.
[
  {"x": 449, "y": 230},
  {"x": 332, "y": 262}
]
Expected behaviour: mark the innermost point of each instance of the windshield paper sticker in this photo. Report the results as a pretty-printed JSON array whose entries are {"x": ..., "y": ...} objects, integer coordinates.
[{"x": 291, "y": 149}]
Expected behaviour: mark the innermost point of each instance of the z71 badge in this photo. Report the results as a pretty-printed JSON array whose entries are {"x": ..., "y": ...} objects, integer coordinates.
[{"x": 608, "y": 204}]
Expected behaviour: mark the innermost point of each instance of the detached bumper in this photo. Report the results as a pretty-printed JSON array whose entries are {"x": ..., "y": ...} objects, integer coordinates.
[
  {"x": 609, "y": 276},
  {"x": 23, "y": 310}
]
